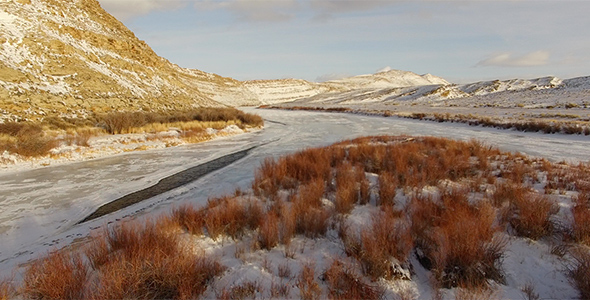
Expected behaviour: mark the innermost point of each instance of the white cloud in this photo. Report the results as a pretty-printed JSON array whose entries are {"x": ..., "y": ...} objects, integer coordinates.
[
  {"x": 127, "y": 9},
  {"x": 508, "y": 59}
]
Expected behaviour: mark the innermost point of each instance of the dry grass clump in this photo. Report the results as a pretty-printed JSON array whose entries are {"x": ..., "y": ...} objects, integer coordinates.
[
  {"x": 189, "y": 218},
  {"x": 232, "y": 217},
  {"x": 457, "y": 239},
  {"x": 579, "y": 272},
  {"x": 124, "y": 122},
  {"x": 387, "y": 188},
  {"x": 129, "y": 261},
  {"x": 59, "y": 275},
  {"x": 309, "y": 288},
  {"x": 581, "y": 221},
  {"x": 386, "y": 243},
  {"x": 344, "y": 283},
  {"x": 6, "y": 290},
  {"x": 346, "y": 190},
  {"x": 26, "y": 139},
  {"x": 246, "y": 290},
  {"x": 37, "y": 139},
  {"x": 530, "y": 215}
]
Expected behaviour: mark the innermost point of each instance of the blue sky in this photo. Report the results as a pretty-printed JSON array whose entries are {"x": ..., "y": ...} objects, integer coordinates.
[{"x": 461, "y": 41}]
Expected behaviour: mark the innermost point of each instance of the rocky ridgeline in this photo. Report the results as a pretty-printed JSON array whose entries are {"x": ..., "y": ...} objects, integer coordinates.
[{"x": 73, "y": 58}]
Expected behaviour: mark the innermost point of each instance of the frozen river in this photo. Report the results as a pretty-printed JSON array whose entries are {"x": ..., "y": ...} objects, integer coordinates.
[{"x": 39, "y": 209}]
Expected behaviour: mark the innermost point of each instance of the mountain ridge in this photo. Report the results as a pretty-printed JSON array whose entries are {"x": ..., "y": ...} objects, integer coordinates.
[{"x": 72, "y": 59}]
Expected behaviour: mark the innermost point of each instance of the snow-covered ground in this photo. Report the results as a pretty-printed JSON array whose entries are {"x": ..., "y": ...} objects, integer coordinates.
[{"x": 39, "y": 208}]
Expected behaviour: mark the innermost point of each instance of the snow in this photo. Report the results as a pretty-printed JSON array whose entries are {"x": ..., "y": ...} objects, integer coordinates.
[{"x": 41, "y": 206}]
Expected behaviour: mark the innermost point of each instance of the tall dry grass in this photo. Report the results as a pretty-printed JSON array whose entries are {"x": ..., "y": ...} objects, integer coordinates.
[
  {"x": 457, "y": 239},
  {"x": 344, "y": 283},
  {"x": 530, "y": 215},
  {"x": 581, "y": 221},
  {"x": 579, "y": 271},
  {"x": 309, "y": 288}
]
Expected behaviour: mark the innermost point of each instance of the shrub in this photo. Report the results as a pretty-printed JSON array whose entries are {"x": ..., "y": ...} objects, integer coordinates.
[
  {"x": 309, "y": 220},
  {"x": 346, "y": 192},
  {"x": 387, "y": 242},
  {"x": 531, "y": 215},
  {"x": 581, "y": 221},
  {"x": 364, "y": 185},
  {"x": 505, "y": 192},
  {"x": 232, "y": 217},
  {"x": 59, "y": 275},
  {"x": 159, "y": 276},
  {"x": 343, "y": 283},
  {"x": 6, "y": 290},
  {"x": 189, "y": 218},
  {"x": 268, "y": 235},
  {"x": 579, "y": 272},
  {"x": 308, "y": 287},
  {"x": 457, "y": 239},
  {"x": 387, "y": 189}
]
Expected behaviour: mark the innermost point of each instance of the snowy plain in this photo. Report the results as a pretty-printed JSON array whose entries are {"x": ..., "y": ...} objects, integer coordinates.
[{"x": 40, "y": 208}]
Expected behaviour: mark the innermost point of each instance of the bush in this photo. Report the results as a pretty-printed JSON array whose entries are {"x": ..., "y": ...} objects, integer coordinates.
[
  {"x": 457, "y": 239},
  {"x": 232, "y": 217},
  {"x": 308, "y": 287},
  {"x": 344, "y": 284},
  {"x": 346, "y": 191},
  {"x": 59, "y": 275},
  {"x": 189, "y": 218},
  {"x": 581, "y": 214},
  {"x": 387, "y": 189},
  {"x": 530, "y": 215},
  {"x": 579, "y": 272}
]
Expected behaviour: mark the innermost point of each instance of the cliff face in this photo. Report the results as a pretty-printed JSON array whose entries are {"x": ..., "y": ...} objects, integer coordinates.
[{"x": 72, "y": 58}]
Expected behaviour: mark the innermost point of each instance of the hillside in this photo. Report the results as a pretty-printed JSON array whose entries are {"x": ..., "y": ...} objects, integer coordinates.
[
  {"x": 71, "y": 58},
  {"x": 545, "y": 92}
]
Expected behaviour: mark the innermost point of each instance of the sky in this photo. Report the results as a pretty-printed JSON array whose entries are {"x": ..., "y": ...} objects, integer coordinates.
[{"x": 319, "y": 40}]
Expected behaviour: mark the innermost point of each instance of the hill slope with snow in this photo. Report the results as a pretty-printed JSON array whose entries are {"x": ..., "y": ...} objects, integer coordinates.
[
  {"x": 545, "y": 92},
  {"x": 73, "y": 58}
]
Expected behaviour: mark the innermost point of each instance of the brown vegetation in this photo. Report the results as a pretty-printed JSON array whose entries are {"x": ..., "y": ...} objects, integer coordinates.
[
  {"x": 457, "y": 239},
  {"x": 448, "y": 212},
  {"x": 579, "y": 271},
  {"x": 37, "y": 139},
  {"x": 344, "y": 283}
]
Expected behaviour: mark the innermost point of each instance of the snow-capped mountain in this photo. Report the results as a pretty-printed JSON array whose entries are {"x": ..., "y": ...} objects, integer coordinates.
[{"x": 539, "y": 92}]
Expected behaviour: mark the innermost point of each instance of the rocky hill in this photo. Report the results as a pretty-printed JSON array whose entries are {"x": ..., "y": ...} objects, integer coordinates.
[
  {"x": 73, "y": 58},
  {"x": 545, "y": 92}
]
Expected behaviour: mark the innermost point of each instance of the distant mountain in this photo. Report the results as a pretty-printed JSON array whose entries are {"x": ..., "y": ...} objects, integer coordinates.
[
  {"x": 539, "y": 92},
  {"x": 287, "y": 90}
]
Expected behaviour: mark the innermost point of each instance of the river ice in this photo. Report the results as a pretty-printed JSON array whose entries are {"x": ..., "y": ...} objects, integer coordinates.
[{"x": 39, "y": 208}]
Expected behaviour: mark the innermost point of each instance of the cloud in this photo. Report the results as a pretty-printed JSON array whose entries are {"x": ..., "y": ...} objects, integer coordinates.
[
  {"x": 128, "y": 9},
  {"x": 508, "y": 59},
  {"x": 254, "y": 10}
]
